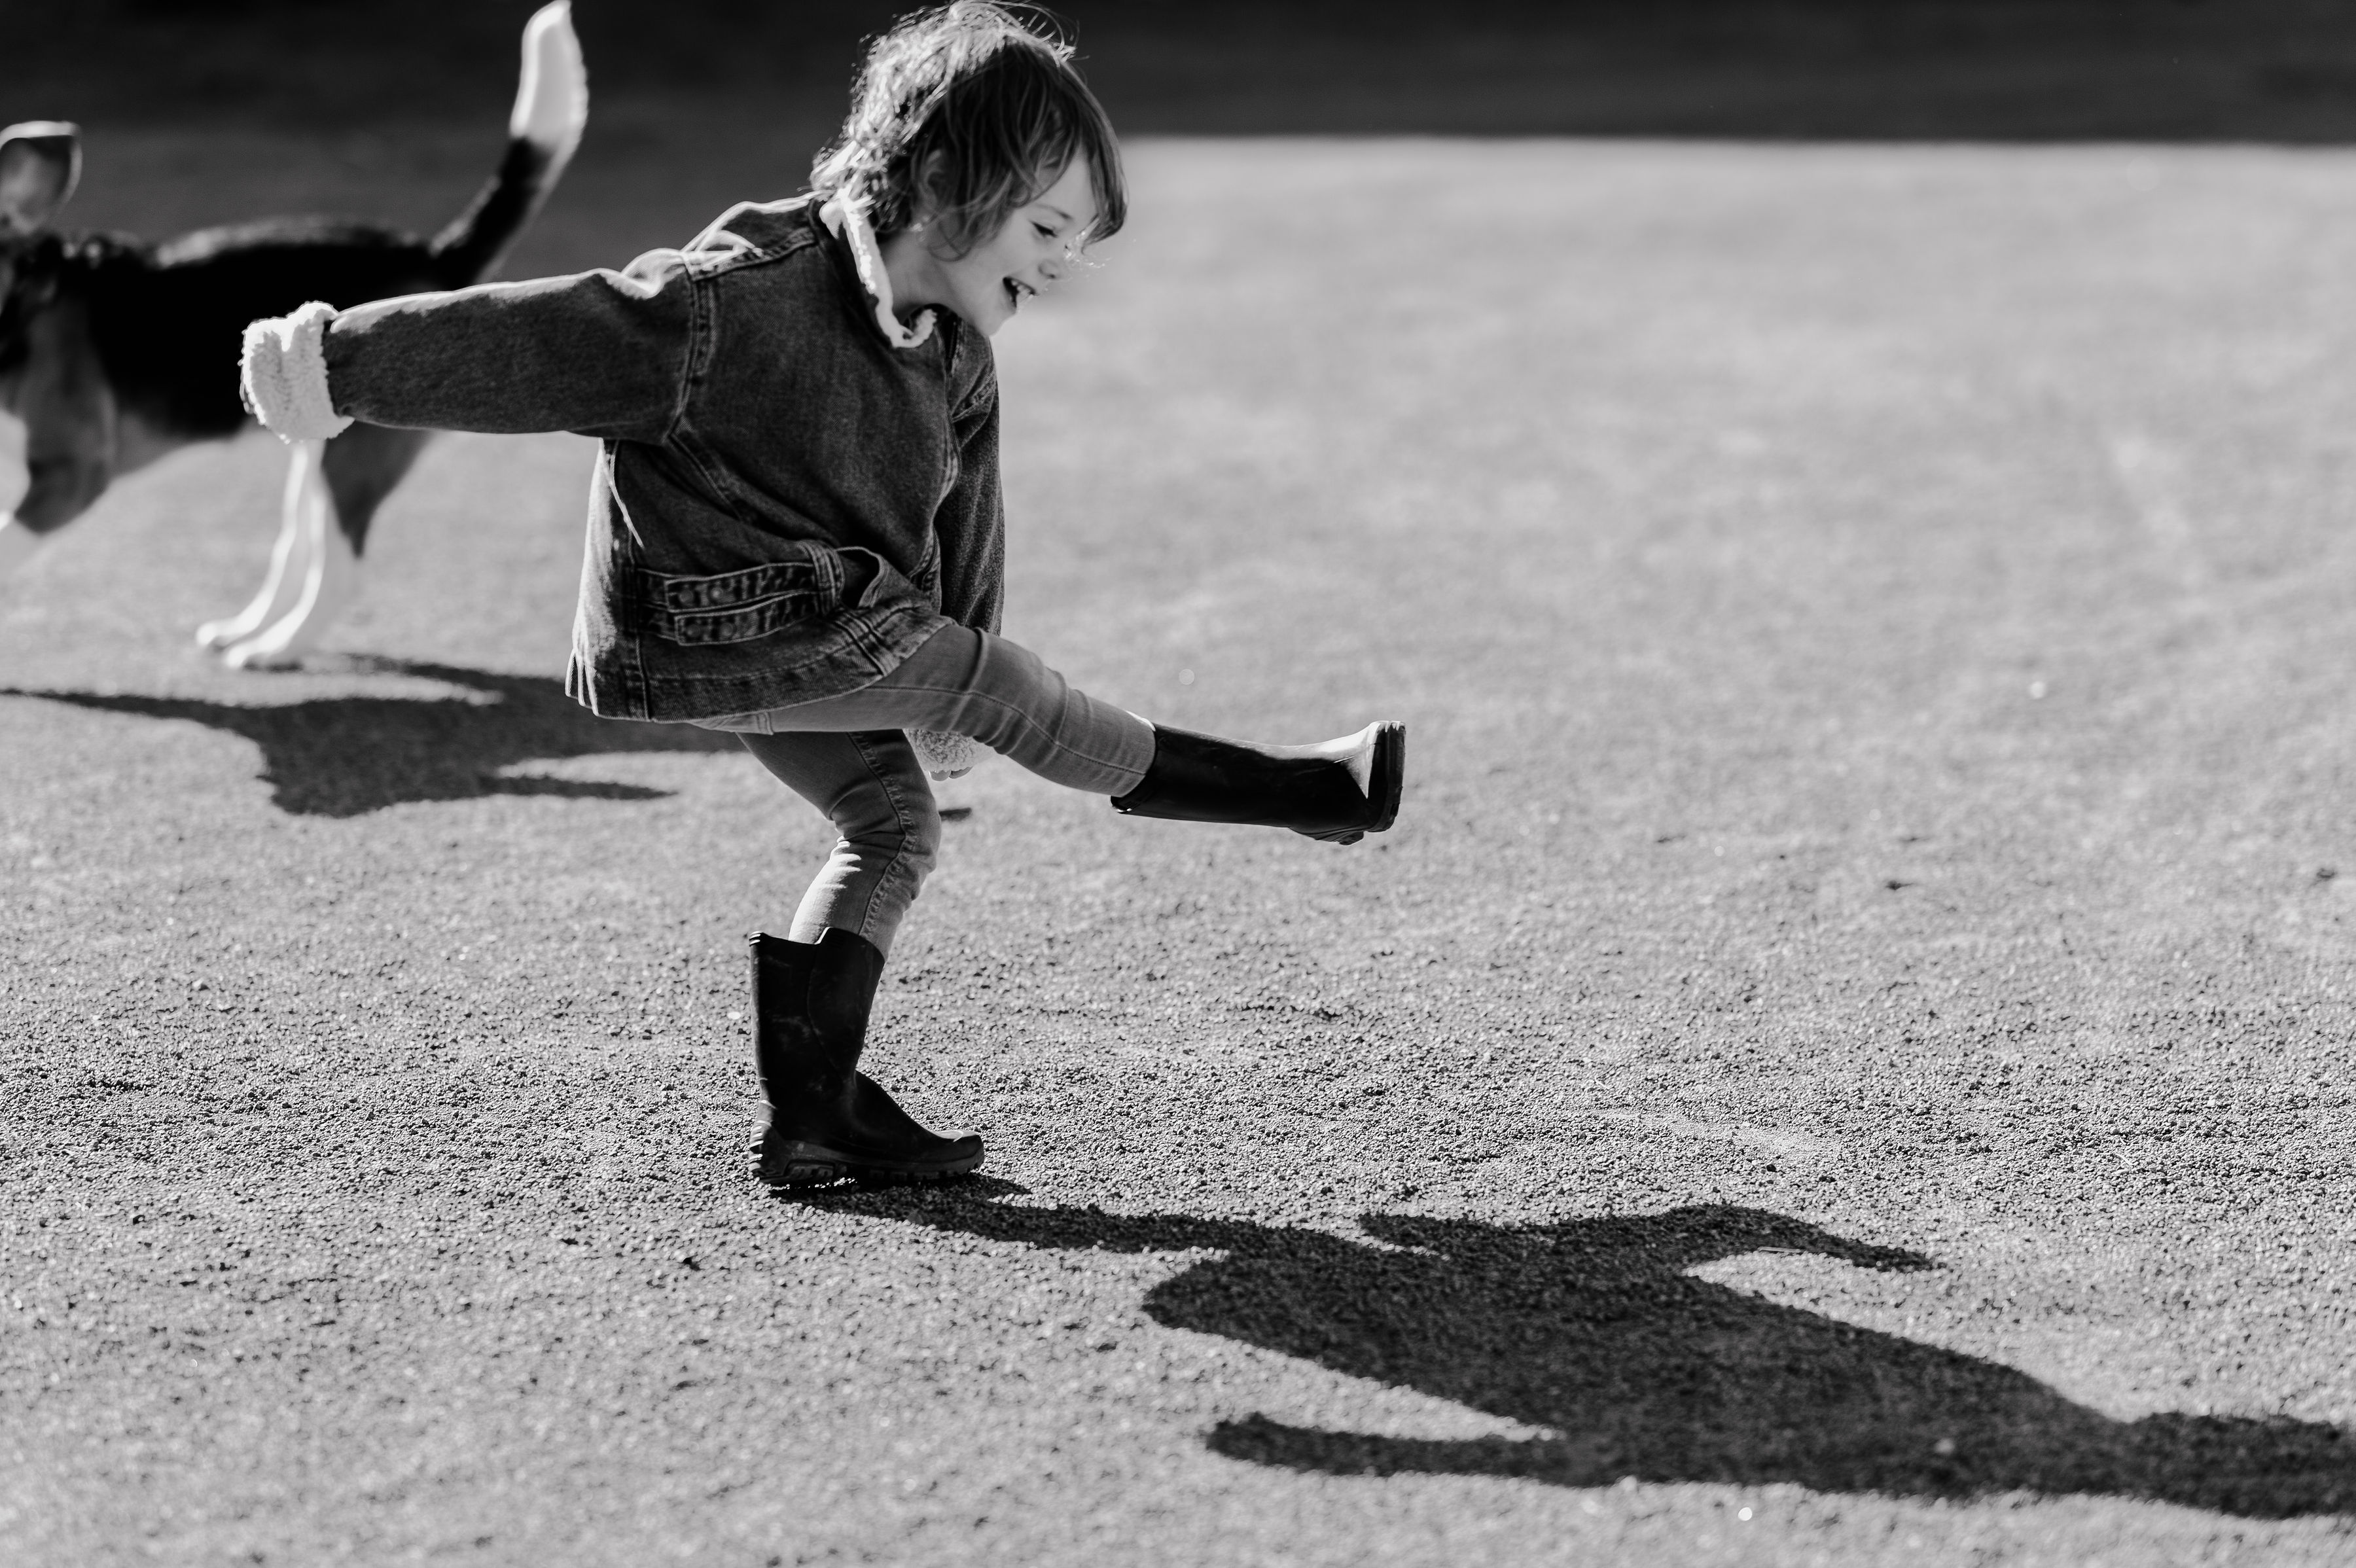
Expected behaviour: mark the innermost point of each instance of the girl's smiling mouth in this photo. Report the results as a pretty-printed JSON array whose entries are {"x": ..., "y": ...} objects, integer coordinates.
[{"x": 1016, "y": 291}]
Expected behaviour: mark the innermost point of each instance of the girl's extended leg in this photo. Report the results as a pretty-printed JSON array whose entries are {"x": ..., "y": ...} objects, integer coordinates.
[
  {"x": 999, "y": 694},
  {"x": 1006, "y": 697}
]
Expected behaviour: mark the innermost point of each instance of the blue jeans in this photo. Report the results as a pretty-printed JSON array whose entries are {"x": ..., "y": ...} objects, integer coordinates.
[{"x": 850, "y": 757}]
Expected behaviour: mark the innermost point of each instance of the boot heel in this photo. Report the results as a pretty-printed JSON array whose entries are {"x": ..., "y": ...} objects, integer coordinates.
[{"x": 799, "y": 1166}]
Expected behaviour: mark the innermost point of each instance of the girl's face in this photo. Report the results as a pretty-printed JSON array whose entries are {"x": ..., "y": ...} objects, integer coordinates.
[{"x": 989, "y": 283}]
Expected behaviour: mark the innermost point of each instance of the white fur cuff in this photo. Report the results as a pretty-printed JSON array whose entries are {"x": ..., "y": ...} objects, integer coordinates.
[
  {"x": 284, "y": 375},
  {"x": 945, "y": 753}
]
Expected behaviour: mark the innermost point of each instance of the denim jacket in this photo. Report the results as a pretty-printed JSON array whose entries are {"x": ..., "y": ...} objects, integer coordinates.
[{"x": 791, "y": 491}]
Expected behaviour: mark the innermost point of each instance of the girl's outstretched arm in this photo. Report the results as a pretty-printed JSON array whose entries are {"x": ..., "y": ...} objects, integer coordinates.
[{"x": 602, "y": 353}]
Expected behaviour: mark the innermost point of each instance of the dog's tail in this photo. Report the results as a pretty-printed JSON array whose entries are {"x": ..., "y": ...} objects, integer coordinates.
[{"x": 552, "y": 105}]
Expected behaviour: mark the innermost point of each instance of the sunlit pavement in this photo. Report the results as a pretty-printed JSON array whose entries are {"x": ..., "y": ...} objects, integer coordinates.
[{"x": 1844, "y": 1059}]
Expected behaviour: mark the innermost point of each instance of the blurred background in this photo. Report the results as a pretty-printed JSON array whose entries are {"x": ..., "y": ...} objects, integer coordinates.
[
  {"x": 201, "y": 111},
  {"x": 2281, "y": 70}
]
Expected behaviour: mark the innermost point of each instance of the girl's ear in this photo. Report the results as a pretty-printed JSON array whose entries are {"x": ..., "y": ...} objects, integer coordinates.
[{"x": 926, "y": 197}]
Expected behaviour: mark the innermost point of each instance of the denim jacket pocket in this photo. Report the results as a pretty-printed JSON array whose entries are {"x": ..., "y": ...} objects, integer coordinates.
[
  {"x": 867, "y": 577},
  {"x": 743, "y": 606}
]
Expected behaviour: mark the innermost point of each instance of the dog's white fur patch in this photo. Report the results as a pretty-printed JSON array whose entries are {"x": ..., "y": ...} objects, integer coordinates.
[
  {"x": 313, "y": 574},
  {"x": 552, "y": 100},
  {"x": 15, "y": 478},
  {"x": 289, "y": 564},
  {"x": 18, "y": 543}
]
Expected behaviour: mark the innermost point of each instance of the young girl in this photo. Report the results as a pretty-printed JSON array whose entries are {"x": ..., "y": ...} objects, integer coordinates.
[{"x": 795, "y": 529}]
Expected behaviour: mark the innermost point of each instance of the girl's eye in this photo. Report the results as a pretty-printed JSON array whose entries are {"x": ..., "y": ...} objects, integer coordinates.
[{"x": 1045, "y": 232}]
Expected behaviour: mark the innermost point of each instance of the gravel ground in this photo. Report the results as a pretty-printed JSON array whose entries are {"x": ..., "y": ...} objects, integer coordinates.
[{"x": 1844, "y": 1057}]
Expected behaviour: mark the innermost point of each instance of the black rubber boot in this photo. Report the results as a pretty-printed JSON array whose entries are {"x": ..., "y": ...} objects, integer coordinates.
[
  {"x": 827, "y": 1119},
  {"x": 1201, "y": 778}
]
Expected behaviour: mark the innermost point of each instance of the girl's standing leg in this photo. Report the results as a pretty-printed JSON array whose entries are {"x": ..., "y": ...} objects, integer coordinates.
[
  {"x": 868, "y": 784},
  {"x": 812, "y": 991}
]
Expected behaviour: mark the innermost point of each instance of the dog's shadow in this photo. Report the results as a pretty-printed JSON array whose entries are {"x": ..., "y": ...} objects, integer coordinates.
[
  {"x": 1596, "y": 1331},
  {"x": 344, "y": 756}
]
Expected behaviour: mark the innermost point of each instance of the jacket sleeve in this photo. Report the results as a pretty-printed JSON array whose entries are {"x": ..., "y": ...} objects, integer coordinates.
[
  {"x": 970, "y": 524},
  {"x": 601, "y": 353}
]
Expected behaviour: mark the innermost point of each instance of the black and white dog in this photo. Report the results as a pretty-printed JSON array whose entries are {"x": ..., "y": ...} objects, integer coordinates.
[{"x": 114, "y": 352}]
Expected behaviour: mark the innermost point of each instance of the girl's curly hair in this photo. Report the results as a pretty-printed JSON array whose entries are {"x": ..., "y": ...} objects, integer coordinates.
[{"x": 967, "y": 112}]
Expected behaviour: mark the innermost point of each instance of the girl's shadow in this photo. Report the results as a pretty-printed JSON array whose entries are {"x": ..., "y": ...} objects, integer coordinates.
[
  {"x": 344, "y": 756},
  {"x": 1596, "y": 1331}
]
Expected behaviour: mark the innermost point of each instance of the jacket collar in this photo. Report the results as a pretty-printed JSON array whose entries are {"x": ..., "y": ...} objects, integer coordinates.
[{"x": 846, "y": 219}]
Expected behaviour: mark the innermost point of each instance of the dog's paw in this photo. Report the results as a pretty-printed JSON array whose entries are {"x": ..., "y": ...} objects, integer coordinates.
[
  {"x": 218, "y": 633},
  {"x": 262, "y": 653}
]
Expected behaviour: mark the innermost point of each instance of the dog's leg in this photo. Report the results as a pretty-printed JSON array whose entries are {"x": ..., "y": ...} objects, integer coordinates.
[
  {"x": 362, "y": 465},
  {"x": 351, "y": 477},
  {"x": 58, "y": 430},
  {"x": 289, "y": 561},
  {"x": 18, "y": 541},
  {"x": 329, "y": 572},
  {"x": 18, "y": 545}
]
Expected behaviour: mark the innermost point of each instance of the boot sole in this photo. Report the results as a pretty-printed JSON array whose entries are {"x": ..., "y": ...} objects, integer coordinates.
[
  {"x": 1388, "y": 779},
  {"x": 813, "y": 1164}
]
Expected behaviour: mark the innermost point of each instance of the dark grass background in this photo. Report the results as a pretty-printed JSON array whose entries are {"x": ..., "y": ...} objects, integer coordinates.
[{"x": 2268, "y": 70}]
